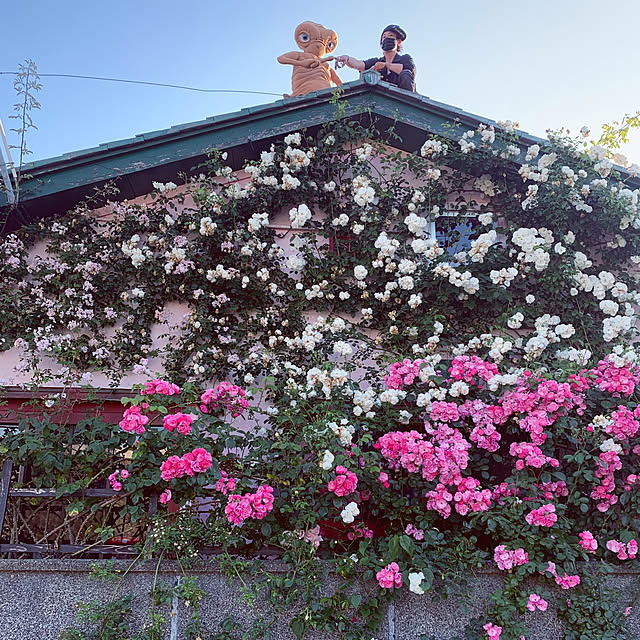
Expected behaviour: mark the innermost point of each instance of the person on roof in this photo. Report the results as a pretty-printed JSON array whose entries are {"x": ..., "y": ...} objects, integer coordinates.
[{"x": 394, "y": 68}]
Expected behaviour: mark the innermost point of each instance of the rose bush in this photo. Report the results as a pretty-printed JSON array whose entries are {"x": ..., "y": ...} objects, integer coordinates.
[{"x": 437, "y": 348}]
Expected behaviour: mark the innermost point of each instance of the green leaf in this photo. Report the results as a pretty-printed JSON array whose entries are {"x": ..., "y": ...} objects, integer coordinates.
[{"x": 297, "y": 626}]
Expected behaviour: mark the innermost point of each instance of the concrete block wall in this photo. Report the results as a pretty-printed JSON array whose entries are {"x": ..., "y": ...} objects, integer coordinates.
[{"x": 38, "y": 600}]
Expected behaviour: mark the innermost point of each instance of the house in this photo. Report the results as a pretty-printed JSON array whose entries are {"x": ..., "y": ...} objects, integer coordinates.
[{"x": 373, "y": 228}]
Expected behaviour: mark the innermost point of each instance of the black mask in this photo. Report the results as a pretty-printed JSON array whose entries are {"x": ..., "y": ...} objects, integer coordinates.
[{"x": 388, "y": 44}]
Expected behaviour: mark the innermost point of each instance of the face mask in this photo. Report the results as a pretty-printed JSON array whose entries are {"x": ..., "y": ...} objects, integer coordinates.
[{"x": 388, "y": 44}]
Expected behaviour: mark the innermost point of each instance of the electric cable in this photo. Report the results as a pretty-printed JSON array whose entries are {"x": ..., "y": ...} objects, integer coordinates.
[{"x": 153, "y": 84}]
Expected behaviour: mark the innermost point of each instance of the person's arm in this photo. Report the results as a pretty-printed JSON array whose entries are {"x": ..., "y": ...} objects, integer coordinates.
[
  {"x": 395, "y": 67},
  {"x": 352, "y": 63}
]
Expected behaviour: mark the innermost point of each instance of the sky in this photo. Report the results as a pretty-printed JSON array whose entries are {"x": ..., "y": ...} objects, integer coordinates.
[{"x": 546, "y": 64}]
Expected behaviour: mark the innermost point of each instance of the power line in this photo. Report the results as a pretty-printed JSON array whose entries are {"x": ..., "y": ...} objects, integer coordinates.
[{"x": 153, "y": 84}]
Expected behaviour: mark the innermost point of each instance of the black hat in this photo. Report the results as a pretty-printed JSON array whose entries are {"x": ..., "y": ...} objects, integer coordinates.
[{"x": 397, "y": 30}]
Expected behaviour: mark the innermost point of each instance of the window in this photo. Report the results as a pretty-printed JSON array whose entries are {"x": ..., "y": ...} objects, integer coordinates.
[{"x": 453, "y": 232}]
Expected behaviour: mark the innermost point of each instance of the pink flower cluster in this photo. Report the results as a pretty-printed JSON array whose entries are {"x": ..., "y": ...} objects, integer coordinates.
[
  {"x": 606, "y": 467},
  {"x": 402, "y": 373},
  {"x": 468, "y": 498},
  {"x": 545, "y": 516},
  {"x": 181, "y": 422},
  {"x": 161, "y": 387},
  {"x": 616, "y": 380},
  {"x": 541, "y": 405},
  {"x": 196, "y": 461},
  {"x": 344, "y": 483},
  {"x": 493, "y": 631},
  {"x": 530, "y": 455},
  {"x": 116, "y": 477},
  {"x": 416, "y": 533},
  {"x": 227, "y": 395},
  {"x": 566, "y": 581},
  {"x": 624, "y": 551},
  {"x": 226, "y": 484},
  {"x": 484, "y": 433},
  {"x": 551, "y": 490},
  {"x": 444, "y": 412},
  {"x": 537, "y": 602},
  {"x": 467, "y": 368},
  {"x": 133, "y": 420},
  {"x": 588, "y": 542},
  {"x": 444, "y": 457},
  {"x": 165, "y": 496},
  {"x": 390, "y": 576},
  {"x": 409, "y": 450},
  {"x": 250, "y": 505},
  {"x": 360, "y": 531},
  {"x": 384, "y": 479},
  {"x": 507, "y": 559},
  {"x": 623, "y": 424}
]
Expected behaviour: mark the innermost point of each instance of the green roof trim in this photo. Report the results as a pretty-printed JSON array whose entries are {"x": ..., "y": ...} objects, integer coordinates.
[{"x": 57, "y": 184}]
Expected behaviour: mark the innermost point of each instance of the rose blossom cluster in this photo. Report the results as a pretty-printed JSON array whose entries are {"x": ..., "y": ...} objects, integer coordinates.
[
  {"x": 624, "y": 551},
  {"x": 344, "y": 483},
  {"x": 196, "y": 461},
  {"x": 403, "y": 373},
  {"x": 467, "y": 368},
  {"x": 250, "y": 505},
  {"x": 493, "y": 631},
  {"x": 226, "y": 484},
  {"x": 530, "y": 455},
  {"x": 544, "y": 516},
  {"x": 541, "y": 405},
  {"x": 116, "y": 477},
  {"x": 484, "y": 434},
  {"x": 413, "y": 531},
  {"x": 507, "y": 559},
  {"x": 566, "y": 581},
  {"x": 606, "y": 467},
  {"x": 614, "y": 379},
  {"x": 390, "y": 576},
  {"x": 181, "y": 422},
  {"x": 623, "y": 424},
  {"x": 537, "y": 602},
  {"x": 228, "y": 395},
  {"x": 161, "y": 387},
  {"x": 442, "y": 458},
  {"x": 133, "y": 420},
  {"x": 588, "y": 542}
]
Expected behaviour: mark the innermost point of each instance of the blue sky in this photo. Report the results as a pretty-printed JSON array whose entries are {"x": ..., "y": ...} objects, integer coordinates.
[{"x": 546, "y": 64}]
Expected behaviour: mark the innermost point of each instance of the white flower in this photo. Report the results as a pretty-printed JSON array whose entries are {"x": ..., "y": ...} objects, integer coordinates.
[
  {"x": 327, "y": 460},
  {"x": 349, "y": 513},
  {"x": 207, "y": 226},
  {"x": 515, "y": 321},
  {"x": 299, "y": 216},
  {"x": 360, "y": 272},
  {"x": 530, "y": 299},
  {"x": 342, "y": 348},
  {"x": 415, "y": 580},
  {"x": 609, "y": 307},
  {"x": 292, "y": 138},
  {"x": 565, "y": 330},
  {"x": 611, "y": 445},
  {"x": 406, "y": 283}
]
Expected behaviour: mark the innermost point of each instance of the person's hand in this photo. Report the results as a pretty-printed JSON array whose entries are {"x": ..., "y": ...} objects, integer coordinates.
[
  {"x": 342, "y": 59},
  {"x": 379, "y": 66}
]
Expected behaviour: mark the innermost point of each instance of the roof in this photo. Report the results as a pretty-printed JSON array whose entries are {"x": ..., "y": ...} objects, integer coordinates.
[{"x": 57, "y": 184}]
